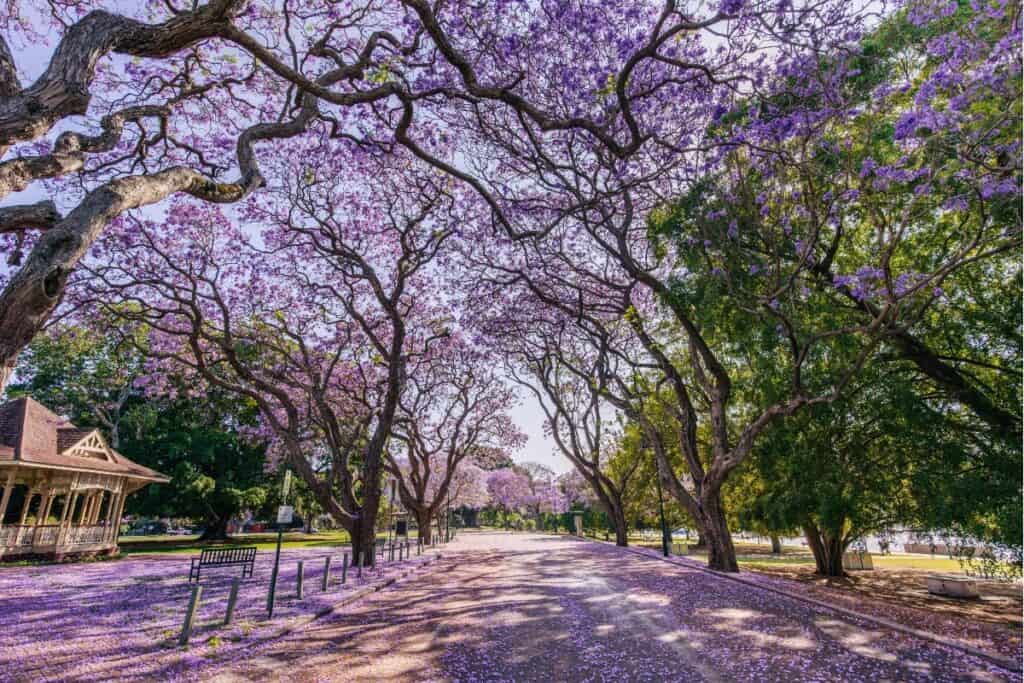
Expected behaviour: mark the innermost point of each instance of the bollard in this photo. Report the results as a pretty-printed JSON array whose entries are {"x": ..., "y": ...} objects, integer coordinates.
[
  {"x": 344, "y": 568},
  {"x": 190, "y": 615},
  {"x": 298, "y": 582},
  {"x": 391, "y": 553},
  {"x": 232, "y": 600},
  {"x": 327, "y": 574}
]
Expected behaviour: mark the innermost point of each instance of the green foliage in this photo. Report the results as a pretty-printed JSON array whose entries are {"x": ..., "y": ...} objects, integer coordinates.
[
  {"x": 197, "y": 440},
  {"x": 215, "y": 472}
]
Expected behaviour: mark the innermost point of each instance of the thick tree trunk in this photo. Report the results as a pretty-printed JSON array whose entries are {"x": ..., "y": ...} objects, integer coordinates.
[
  {"x": 776, "y": 546},
  {"x": 618, "y": 517},
  {"x": 364, "y": 534},
  {"x": 216, "y": 529},
  {"x": 827, "y": 550},
  {"x": 721, "y": 553},
  {"x": 423, "y": 521}
]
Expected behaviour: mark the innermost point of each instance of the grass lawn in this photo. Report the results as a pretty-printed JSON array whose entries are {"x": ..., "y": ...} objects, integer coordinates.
[
  {"x": 134, "y": 545},
  {"x": 754, "y": 556}
]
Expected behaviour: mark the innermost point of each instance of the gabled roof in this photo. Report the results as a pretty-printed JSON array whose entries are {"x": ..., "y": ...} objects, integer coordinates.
[{"x": 31, "y": 434}]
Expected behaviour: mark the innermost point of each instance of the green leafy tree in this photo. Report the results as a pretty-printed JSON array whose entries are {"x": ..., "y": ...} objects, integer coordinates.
[
  {"x": 216, "y": 472},
  {"x": 881, "y": 457}
]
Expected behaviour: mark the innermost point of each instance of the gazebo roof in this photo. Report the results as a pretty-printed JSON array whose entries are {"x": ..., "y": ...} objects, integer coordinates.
[{"x": 34, "y": 436}]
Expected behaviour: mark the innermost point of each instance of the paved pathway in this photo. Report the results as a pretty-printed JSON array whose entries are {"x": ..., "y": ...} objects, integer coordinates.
[{"x": 543, "y": 608}]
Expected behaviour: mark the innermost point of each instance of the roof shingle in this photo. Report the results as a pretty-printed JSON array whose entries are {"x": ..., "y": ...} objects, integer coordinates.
[{"x": 32, "y": 434}]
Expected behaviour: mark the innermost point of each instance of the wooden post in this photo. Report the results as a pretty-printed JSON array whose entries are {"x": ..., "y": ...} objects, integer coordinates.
[
  {"x": 327, "y": 574},
  {"x": 66, "y": 513},
  {"x": 49, "y": 506},
  {"x": 116, "y": 523},
  {"x": 8, "y": 487},
  {"x": 344, "y": 568},
  {"x": 232, "y": 600},
  {"x": 115, "y": 518},
  {"x": 190, "y": 615},
  {"x": 94, "y": 510},
  {"x": 83, "y": 518},
  {"x": 25, "y": 505},
  {"x": 298, "y": 582}
]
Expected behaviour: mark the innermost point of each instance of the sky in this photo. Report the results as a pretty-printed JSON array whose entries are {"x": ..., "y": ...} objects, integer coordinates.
[{"x": 540, "y": 447}]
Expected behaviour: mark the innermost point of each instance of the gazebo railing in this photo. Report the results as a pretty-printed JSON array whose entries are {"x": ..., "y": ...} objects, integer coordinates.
[
  {"x": 20, "y": 536},
  {"x": 87, "y": 535}
]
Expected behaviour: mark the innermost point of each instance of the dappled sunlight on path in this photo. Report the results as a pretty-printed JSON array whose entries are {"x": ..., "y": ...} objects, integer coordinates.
[{"x": 527, "y": 607}]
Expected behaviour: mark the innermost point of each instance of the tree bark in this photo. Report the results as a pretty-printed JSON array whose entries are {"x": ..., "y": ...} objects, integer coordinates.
[
  {"x": 776, "y": 545},
  {"x": 618, "y": 517},
  {"x": 721, "y": 552},
  {"x": 32, "y": 294},
  {"x": 424, "y": 519},
  {"x": 827, "y": 550},
  {"x": 621, "y": 530}
]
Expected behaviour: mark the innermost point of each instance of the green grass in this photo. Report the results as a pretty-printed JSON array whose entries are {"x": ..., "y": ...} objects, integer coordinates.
[
  {"x": 939, "y": 564},
  {"x": 751, "y": 557},
  {"x": 139, "y": 545}
]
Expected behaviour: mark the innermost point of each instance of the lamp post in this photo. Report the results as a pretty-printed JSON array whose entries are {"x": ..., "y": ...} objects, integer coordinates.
[
  {"x": 448, "y": 518},
  {"x": 391, "y": 505}
]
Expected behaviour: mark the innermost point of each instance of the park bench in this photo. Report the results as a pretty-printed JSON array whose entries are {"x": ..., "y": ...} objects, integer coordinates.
[
  {"x": 244, "y": 556},
  {"x": 953, "y": 586}
]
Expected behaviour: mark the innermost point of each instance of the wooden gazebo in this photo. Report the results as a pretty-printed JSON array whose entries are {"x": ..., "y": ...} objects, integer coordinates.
[{"x": 63, "y": 487}]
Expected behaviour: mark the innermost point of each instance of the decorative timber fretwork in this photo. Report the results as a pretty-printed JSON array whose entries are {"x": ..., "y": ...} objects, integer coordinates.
[{"x": 91, "y": 446}]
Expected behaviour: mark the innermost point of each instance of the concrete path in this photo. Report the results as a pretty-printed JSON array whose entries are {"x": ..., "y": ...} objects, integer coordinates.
[{"x": 530, "y": 607}]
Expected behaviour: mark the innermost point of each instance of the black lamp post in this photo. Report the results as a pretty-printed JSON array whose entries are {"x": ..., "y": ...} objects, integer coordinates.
[{"x": 448, "y": 518}]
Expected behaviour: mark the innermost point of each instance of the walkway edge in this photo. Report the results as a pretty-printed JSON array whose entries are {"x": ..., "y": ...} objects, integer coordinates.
[{"x": 1004, "y": 662}]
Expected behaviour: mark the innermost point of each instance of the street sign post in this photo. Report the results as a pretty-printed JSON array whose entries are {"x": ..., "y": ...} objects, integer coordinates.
[{"x": 285, "y": 514}]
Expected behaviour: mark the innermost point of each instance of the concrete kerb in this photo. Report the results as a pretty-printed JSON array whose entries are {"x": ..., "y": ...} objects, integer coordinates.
[
  {"x": 1003, "y": 662},
  {"x": 358, "y": 594}
]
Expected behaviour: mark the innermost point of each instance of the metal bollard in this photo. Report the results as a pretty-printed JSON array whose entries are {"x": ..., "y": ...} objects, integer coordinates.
[
  {"x": 190, "y": 615},
  {"x": 232, "y": 600},
  {"x": 327, "y": 574},
  {"x": 344, "y": 568},
  {"x": 298, "y": 582}
]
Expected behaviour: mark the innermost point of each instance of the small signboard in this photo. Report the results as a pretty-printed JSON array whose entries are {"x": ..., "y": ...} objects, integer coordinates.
[{"x": 285, "y": 514}]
